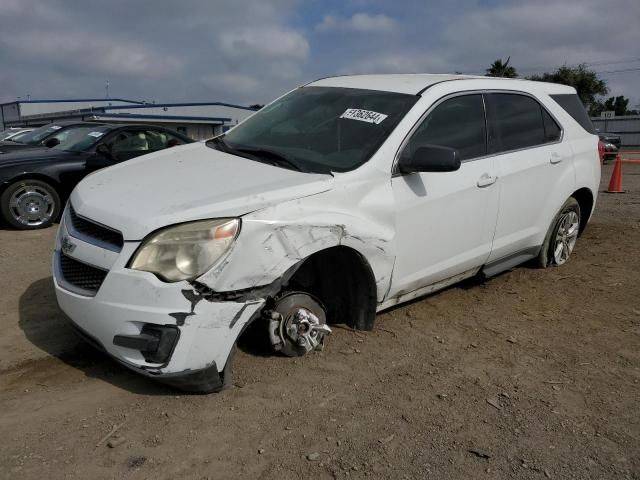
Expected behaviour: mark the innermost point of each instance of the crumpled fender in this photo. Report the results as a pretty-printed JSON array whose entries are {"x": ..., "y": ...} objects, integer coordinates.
[{"x": 274, "y": 240}]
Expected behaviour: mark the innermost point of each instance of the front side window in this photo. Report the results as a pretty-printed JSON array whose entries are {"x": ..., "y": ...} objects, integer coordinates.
[
  {"x": 126, "y": 141},
  {"x": 159, "y": 140},
  {"x": 319, "y": 129},
  {"x": 457, "y": 123},
  {"x": 518, "y": 121}
]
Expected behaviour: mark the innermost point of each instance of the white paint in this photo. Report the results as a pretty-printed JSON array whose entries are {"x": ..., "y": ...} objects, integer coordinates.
[{"x": 418, "y": 232}]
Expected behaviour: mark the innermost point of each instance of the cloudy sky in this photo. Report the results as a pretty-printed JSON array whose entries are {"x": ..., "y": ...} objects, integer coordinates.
[{"x": 248, "y": 51}]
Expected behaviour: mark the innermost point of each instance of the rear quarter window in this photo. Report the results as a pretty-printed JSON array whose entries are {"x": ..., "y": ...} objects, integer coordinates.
[{"x": 571, "y": 104}]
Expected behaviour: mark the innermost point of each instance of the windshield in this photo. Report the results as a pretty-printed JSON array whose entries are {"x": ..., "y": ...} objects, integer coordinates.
[
  {"x": 19, "y": 136},
  {"x": 7, "y": 133},
  {"x": 77, "y": 139},
  {"x": 39, "y": 134},
  {"x": 320, "y": 129}
]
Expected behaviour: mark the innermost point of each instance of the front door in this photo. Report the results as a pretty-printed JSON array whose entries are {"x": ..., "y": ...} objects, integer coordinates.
[{"x": 445, "y": 222}]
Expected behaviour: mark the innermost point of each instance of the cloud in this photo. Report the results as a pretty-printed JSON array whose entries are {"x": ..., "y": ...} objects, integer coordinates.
[
  {"x": 358, "y": 22},
  {"x": 206, "y": 50},
  {"x": 267, "y": 42},
  {"x": 250, "y": 51}
]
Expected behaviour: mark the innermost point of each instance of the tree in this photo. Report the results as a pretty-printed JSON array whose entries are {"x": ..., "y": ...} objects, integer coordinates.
[
  {"x": 618, "y": 104},
  {"x": 501, "y": 69},
  {"x": 586, "y": 83}
]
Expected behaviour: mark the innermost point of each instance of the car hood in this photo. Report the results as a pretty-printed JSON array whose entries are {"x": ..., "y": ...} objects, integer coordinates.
[
  {"x": 33, "y": 154},
  {"x": 190, "y": 182},
  {"x": 6, "y": 146}
]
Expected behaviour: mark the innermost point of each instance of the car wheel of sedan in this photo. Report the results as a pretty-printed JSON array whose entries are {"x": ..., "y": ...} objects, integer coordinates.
[
  {"x": 30, "y": 204},
  {"x": 562, "y": 236}
]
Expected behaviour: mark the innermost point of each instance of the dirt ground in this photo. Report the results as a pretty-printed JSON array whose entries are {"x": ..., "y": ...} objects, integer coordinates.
[{"x": 533, "y": 374}]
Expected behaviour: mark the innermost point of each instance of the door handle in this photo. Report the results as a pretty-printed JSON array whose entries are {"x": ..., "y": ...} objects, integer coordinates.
[
  {"x": 485, "y": 180},
  {"x": 555, "y": 158}
]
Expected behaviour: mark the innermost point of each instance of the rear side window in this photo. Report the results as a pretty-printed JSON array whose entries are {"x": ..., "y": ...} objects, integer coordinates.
[
  {"x": 515, "y": 122},
  {"x": 571, "y": 103},
  {"x": 552, "y": 130},
  {"x": 456, "y": 123}
]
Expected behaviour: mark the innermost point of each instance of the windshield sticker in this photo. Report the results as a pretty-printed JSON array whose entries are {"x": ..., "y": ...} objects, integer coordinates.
[
  {"x": 363, "y": 115},
  {"x": 55, "y": 127},
  {"x": 95, "y": 134}
]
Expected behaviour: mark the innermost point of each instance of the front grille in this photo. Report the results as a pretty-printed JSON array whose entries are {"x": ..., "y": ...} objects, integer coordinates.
[
  {"x": 80, "y": 275},
  {"x": 93, "y": 232}
]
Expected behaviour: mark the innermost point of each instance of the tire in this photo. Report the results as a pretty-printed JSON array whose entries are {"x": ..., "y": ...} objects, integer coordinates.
[
  {"x": 30, "y": 204},
  {"x": 564, "y": 230}
]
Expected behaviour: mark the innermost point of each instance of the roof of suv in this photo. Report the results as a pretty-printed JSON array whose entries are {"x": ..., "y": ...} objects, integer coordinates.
[{"x": 415, "y": 83}]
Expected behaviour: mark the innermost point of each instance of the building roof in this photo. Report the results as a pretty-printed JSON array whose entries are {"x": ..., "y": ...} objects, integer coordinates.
[
  {"x": 75, "y": 100},
  {"x": 107, "y": 116}
]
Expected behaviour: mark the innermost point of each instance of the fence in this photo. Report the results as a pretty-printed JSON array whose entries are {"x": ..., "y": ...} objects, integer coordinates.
[{"x": 627, "y": 127}]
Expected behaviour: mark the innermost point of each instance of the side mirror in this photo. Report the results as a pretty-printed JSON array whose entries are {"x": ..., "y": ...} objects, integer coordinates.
[
  {"x": 431, "y": 158},
  {"x": 52, "y": 142}
]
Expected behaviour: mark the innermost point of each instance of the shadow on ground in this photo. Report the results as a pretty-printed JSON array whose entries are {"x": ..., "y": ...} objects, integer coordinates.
[{"x": 48, "y": 328}]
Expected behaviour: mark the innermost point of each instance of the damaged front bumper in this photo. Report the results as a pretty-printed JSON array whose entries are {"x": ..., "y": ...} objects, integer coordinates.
[{"x": 167, "y": 331}]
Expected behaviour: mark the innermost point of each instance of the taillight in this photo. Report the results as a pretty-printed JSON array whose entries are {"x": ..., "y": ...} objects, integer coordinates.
[{"x": 601, "y": 150}]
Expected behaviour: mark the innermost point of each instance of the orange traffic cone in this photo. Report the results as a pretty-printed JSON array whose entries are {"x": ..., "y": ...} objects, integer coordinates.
[{"x": 615, "y": 184}]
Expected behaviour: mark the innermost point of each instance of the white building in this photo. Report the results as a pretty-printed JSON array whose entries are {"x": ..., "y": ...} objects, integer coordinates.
[{"x": 198, "y": 120}]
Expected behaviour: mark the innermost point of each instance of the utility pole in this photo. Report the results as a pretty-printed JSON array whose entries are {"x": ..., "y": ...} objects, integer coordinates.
[{"x": 106, "y": 89}]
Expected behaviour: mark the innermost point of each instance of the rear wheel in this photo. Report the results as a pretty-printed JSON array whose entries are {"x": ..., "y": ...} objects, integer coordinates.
[
  {"x": 30, "y": 204},
  {"x": 562, "y": 235}
]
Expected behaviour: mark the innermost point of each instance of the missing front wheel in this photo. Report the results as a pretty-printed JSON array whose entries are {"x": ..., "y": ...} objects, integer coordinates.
[{"x": 297, "y": 324}]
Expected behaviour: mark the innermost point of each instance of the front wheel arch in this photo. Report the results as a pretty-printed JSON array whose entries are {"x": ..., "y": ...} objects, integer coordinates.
[{"x": 342, "y": 279}]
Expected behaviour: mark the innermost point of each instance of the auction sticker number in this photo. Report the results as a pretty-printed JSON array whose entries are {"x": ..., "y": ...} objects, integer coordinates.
[{"x": 363, "y": 115}]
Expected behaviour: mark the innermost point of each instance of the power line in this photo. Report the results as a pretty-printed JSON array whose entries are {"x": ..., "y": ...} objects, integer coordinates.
[
  {"x": 625, "y": 70},
  {"x": 589, "y": 64},
  {"x": 613, "y": 62}
]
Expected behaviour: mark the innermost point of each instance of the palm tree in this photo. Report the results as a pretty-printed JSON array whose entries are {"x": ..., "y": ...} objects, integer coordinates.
[{"x": 501, "y": 69}]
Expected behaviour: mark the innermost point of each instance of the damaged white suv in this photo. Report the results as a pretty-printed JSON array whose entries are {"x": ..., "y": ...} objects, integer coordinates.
[{"x": 340, "y": 199}]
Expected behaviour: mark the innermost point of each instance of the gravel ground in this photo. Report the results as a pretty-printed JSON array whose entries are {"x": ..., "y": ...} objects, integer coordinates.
[{"x": 533, "y": 374}]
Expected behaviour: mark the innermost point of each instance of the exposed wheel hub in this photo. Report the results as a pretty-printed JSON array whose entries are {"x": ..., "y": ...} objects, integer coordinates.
[{"x": 297, "y": 325}]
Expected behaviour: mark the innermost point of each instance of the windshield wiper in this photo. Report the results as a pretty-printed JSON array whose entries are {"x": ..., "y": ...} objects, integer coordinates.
[
  {"x": 255, "y": 153},
  {"x": 270, "y": 156},
  {"x": 219, "y": 144}
]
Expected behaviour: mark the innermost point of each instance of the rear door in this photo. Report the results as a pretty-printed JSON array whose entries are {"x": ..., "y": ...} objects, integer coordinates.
[{"x": 531, "y": 161}]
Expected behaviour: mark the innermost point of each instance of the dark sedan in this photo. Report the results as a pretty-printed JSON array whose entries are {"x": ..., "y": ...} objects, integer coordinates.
[
  {"x": 37, "y": 137},
  {"x": 611, "y": 144},
  {"x": 34, "y": 182}
]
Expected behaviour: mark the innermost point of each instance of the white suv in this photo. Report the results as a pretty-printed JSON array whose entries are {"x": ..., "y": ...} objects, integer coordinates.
[{"x": 336, "y": 201}]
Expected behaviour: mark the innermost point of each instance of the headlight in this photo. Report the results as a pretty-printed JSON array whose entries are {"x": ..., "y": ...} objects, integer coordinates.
[{"x": 186, "y": 251}]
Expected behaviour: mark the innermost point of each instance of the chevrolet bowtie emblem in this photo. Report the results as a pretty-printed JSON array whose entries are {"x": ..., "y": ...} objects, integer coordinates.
[{"x": 67, "y": 246}]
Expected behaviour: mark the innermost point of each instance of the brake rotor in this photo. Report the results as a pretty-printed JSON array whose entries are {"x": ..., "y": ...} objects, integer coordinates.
[{"x": 297, "y": 324}]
